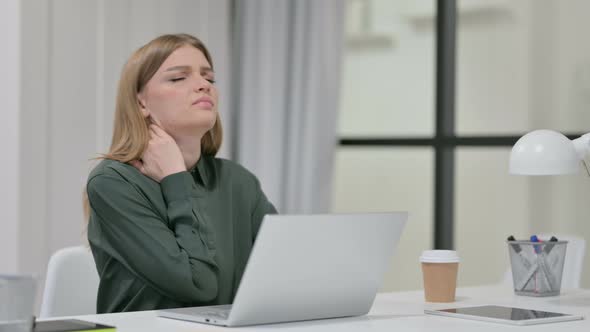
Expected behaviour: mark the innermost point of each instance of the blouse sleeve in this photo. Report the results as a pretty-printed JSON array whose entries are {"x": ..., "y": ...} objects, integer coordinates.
[{"x": 262, "y": 207}]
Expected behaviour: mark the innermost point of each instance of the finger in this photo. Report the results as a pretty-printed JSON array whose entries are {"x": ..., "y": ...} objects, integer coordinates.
[
  {"x": 155, "y": 121},
  {"x": 137, "y": 164},
  {"x": 153, "y": 132},
  {"x": 159, "y": 131}
]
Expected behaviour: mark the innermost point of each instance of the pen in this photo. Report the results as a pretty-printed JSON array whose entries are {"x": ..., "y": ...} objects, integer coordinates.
[
  {"x": 530, "y": 268},
  {"x": 534, "y": 238},
  {"x": 556, "y": 257},
  {"x": 530, "y": 273},
  {"x": 551, "y": 261},
  {"x": 541, "y": 256},
  {"x": 514, "y": 246},
  {"x": 548, "y": 247},
  {"x": 518, "y": 251}
]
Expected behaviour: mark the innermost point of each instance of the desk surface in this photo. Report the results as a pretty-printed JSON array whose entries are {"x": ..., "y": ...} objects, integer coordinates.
[{"x": 403, "y": 311}]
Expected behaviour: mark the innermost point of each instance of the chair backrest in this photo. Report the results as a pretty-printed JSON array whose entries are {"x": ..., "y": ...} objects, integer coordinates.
[
  {"x": 573, "y": 265},
  {"x": 71, "y": 284}
]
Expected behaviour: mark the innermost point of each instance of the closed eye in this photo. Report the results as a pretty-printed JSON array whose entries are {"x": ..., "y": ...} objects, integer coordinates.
[{"x": 177, "y": 79}]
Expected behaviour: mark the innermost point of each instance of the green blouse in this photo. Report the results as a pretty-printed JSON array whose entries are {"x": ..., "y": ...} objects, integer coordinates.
[{"x": 182, "y": 242}]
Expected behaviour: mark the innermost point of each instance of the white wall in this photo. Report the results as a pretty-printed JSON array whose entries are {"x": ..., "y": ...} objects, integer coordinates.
[
  {"x": 72, "y": 55},
  {"x": 35, "y": 143},
  {"x": 9, "y": 134}
]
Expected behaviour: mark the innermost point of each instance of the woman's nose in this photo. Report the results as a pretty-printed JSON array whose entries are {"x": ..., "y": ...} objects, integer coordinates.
[{"x": 202, "y": 84}]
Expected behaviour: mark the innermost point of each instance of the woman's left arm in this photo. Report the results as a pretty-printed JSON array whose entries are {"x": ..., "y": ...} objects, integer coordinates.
[{"x": 262, "y": 207}]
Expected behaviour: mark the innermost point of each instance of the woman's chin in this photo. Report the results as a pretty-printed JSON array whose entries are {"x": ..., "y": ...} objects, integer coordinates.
[{"x": 193, "y": 128}]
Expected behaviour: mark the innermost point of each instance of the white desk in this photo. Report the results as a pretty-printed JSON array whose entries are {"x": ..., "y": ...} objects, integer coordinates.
[{"x": 391, "y": 312}]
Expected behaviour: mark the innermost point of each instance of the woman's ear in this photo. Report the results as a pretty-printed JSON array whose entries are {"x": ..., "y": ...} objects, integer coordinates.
[{"x": 142, "y": 108}]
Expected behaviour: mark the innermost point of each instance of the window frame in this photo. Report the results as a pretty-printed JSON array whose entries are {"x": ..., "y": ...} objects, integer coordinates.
[{"x": 445, "y": 140}]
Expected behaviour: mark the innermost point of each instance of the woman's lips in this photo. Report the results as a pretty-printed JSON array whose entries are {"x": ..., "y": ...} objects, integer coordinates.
[{"x": 204, "y": 103}]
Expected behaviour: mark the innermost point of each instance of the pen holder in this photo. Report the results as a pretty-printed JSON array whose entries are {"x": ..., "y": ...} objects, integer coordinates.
[{"x": 537, "y": 267}]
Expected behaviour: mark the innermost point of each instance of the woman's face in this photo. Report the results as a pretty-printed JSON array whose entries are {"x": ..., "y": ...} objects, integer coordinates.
[{"x": 181, "y": 96}]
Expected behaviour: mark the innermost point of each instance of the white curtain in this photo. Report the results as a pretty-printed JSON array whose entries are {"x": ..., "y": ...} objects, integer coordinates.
[{"x": 288, "y": 58}]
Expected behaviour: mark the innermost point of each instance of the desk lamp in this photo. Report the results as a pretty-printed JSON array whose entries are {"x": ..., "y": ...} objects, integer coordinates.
[{"x": 547, "y": 152}]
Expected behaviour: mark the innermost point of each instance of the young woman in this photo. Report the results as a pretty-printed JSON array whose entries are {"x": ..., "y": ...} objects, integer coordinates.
[{"x": 170, "y": 225}]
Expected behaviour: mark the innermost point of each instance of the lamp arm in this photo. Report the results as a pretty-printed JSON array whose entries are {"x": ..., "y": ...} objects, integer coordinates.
[{"x": 582, "y": 146}]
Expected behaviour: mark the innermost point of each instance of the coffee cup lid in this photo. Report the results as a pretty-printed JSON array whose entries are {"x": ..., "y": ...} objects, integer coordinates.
[{"x": 439, "y": 256}]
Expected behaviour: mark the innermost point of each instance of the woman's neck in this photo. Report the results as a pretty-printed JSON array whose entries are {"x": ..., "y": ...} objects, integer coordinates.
[{"x": 190, "y": 147}]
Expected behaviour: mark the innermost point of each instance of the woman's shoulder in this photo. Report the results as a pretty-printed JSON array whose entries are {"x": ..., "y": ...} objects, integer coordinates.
[{"x": 112, "y": 169}]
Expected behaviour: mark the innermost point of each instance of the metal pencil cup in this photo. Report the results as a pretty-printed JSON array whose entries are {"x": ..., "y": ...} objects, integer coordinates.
[{"x": 537, "y": 267}]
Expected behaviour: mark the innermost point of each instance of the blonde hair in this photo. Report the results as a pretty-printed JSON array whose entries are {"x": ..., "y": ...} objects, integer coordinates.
[{"x": 131, "y": 128}]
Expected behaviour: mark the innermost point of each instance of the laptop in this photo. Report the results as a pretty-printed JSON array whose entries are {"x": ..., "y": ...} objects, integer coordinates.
[{"x": 305, "y": 267}]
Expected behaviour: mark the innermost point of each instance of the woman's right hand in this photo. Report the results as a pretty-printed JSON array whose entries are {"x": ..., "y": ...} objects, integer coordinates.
[{"x": 162, "y": 156}]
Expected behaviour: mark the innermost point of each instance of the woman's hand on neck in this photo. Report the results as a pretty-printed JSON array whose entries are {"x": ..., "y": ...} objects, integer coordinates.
[
  {"x": 162, "y": 156},
  {"x": 189, "y": 145}
]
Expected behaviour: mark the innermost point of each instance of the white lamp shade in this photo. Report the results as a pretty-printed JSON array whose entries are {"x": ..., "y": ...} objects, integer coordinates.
[{"x": 544, "y": 152}]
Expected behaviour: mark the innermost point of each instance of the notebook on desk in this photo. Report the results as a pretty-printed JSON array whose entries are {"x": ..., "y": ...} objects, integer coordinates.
[
  {"x": 70, "y": 325},
  {"x": 308, "y": 267}
]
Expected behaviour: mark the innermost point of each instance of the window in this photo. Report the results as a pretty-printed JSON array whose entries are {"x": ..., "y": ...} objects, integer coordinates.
[
  {"x": 518, "y": 66},
  {"x": 388, "y": 94}
]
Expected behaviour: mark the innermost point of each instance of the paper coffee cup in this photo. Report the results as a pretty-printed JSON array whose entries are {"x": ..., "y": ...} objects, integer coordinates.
[{"x": 439, "y": 270}]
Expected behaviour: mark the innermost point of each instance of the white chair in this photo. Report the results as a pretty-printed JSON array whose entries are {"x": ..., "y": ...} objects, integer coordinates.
[
  {"x": 573, "y": 265},
  {"x": 71, "y": 284}
]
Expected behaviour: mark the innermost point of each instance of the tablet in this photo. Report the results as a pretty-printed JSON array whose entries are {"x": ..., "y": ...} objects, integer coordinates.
[{"x": 505, "y": 315}]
